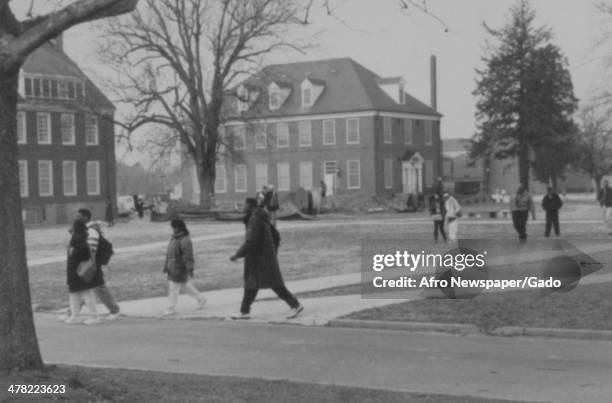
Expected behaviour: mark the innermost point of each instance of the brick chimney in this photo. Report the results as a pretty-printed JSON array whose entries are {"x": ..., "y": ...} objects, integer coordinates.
[{"x": 433, "y": 82}]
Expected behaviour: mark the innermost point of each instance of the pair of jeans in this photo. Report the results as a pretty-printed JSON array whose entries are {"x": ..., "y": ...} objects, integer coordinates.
[
  {"x": 77, "y": 299},
  {"x": 107, "y": 299},
  {"x": 282, "y": 292},
  {"x": 174, "y": 289},
  {"x": 552, "y": 220},
  {"x": 439, "y": 226},
  {"x": 519, "y": 219}
]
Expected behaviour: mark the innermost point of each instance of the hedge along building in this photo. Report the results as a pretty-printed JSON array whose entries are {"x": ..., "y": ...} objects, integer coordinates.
[
  {"x": 299, "y": 125},
  {"x": 66, "y": 139}
]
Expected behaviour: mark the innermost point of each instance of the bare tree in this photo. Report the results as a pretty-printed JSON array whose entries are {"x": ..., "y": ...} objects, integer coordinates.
[
  {"x": 175, "y": 60},
  {"x": 18, "y": 343},
  {"x": 594, "y": 148}
]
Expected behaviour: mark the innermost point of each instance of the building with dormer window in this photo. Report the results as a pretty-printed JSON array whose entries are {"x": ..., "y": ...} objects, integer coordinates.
[
  {"x": 332, "y": 121},
  {"x": 65, "y": 137}
]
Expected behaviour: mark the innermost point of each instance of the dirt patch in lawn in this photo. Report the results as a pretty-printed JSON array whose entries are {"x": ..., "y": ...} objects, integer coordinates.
[{"x": 118, "y": 385}]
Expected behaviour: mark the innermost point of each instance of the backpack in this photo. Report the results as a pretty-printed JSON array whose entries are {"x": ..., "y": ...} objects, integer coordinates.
[{"x": 104, "y": 251}]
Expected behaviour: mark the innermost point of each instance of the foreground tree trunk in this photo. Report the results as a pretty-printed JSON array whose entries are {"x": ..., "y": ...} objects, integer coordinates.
[{"x": 18, "y": 342}]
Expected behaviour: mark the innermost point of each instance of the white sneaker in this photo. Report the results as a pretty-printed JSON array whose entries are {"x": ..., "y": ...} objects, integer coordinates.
[
  {"x": 92, "y": 320},
  {"x": 295, "y": 311},
  {"x": 169, "y": 312},
  {"x": 72, "y": 320},
  {"x": 242, "y": 316},
  {"x": 202, "y": 303},
  {"x": 113, "y": 316}
]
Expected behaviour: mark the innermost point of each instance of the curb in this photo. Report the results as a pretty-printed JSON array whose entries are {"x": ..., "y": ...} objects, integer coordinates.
[
  {"x": 453, "y": 328},
  {"x": 580, "y": 334}
]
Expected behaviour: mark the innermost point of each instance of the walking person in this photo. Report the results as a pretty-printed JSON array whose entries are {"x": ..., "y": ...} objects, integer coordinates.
[
  {"x": 109, "y": 212},
  {"x": 81, "y": 290},
  {"x": 453, "y": 212},
  {"x": 270, "y": 203},
  {"x": 437, "y": 212},
  {"x": 179, "y": 267},
  {"x": 605, "y": 201},
  {"x": 93, "y": 237},
  {"x": 261, "y": 269},
  {"x": 520, "y": 206},
  {"x": 551, "y": 203}
]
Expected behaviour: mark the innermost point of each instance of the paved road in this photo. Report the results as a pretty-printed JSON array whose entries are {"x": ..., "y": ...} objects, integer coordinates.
[{"x": 513, "y": 368}]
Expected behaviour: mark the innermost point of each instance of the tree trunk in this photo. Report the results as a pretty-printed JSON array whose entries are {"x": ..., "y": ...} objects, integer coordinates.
[
  {"x": 523, "y": 162},
  {"x": 597, "y": 180},
  {"x": 554, "y": 181},
  {"x": 206, "y": 179},
  {"x": 18, "y": 343}
]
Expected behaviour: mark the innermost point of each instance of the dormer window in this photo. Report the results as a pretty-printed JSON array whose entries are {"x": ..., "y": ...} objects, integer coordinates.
[
  {"x": 312, "y": 89},
  {"x": 242, "y": 101},
  {"x": 274, "y": 100},
  {"x": 278, "y": 92},
  {"x": 307, "y": 96},
  {"x": 54, "y": 88}
]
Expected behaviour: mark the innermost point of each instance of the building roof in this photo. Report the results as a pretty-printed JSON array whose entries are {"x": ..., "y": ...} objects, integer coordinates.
[
  {"x": 48, "y": 60},
  {"x": 348, "y": 87}
]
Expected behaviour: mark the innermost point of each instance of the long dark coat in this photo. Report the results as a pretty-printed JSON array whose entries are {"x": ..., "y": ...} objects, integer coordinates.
[
  {"x": 78, "y": 251},
  {"x": 261, "y": 269},
  {"x": 179, "y": 258}
]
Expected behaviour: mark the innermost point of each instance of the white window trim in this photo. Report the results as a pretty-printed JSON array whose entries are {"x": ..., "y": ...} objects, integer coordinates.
[
  {"x": 387, "y": 130},
  {"x": 304, "y": 164},
  {"x": 38, "y": 141},
  {"x": 74, "y": 178},
  {"x": 236, "y": 189},
  {"x": 240, "y": 132},
  {"x": 278, "y": 136},
  {"x": 303, "y": 124},
  {"x": 408, "y": 130},
  {"x": 333, "y": 132},
  {"x": 97, "y": 142},
  {"x": 259, "y": 131},
  {"x": 347, "y": 131},
  {"x": 278, "y": 176},
  {"x": 96, "y": 192},
  {"x": 218, "y": 169},
  {"x": 73, "y": 134},
  {"x": 388, "y": 162},
  {"x": 21, "y": 119},
  {"x": 310, "y": 90},
  {"x": 348, "y": 184},
  {"x": 50, "y": 164},
  {"x": 24, "y": 188}
]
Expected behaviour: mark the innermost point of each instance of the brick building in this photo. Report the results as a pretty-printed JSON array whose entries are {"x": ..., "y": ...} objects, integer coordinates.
[
  {"x": 66, "y": 139},
  {"x": 332, "y": 121}
]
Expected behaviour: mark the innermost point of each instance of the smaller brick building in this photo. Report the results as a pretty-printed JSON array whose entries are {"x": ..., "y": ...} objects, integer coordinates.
[{"x": 66, "y": 139}]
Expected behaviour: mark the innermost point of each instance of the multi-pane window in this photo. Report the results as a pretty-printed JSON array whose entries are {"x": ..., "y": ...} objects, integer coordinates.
[
  {"x": 21, "y": 128},
  {"x": 305, "y": 134},
  {"x": 28, "y": 87},
  {"x": 240, "y": 178},
  {"x": 352, "y": 131},
  {"x": 39, "y": 87},
  {"x": 45, "y": 178},
  {"x": 407, "y": 131},
  {"x": 67, "y": 123},
  {"x": 388, "y": 173},
  {"x": 274, "y": 100},
  {"x": 387, "y": 130},
  {"x": 329, "y": 132},
  {"x": 306, "y": 96},
  {"x": 261, "y": 175},
  {"x": 91, "y": 130},
  {"x": 353, "y": 175},
  {"x": 43, "y": 128},
  {"x": 283, "y": 178},
  {"x": 282, "y": 135},
  {"x": 330, "y": 167},
  {"x": 261, "y": 137},
  {"x": 24, "y": 188},
  {"x": 306, "y": 175},
  {"x": 93, "y": 178},
  {"x": 428, "y": 132},
  {"x": 239, "y": 138},
  {"x": 220, "y": 179},
  {"x": 70, "y": 178}
]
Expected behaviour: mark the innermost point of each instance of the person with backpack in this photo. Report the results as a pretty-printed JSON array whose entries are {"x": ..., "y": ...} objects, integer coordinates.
[
  {"x": 520, "y": 206},
  {"x": 81, "y": 290},
  {"x": 261, "y": 268},
  {"x": 101, "y": 250},
  {"x": 179, "y": 266}
]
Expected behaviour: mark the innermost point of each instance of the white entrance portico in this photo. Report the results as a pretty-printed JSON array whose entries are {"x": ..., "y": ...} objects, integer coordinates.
[{"x": 412, "y": 173}]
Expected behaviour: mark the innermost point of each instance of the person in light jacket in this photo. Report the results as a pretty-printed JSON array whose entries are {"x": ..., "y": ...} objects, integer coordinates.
[
  {"x": 453, "y": 212},
  {"x": 520, "y": 206},
  {"x": 179, "y": 267}
]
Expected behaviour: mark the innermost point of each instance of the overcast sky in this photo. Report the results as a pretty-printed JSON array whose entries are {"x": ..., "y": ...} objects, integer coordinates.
[{"x": 376, "y": 34}]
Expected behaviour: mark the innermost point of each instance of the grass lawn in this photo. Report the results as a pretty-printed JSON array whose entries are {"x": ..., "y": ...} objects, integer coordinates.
[{"x": 119, "y": 385}]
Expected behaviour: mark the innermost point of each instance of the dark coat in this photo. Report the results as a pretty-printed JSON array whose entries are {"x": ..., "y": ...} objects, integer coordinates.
[
  {"x": 78, "y": 251},
  {"x": 179, "y": 258},
  {"x": 261, "y": 269},
  {"x": 552, "y": 202},
  {"x": 605, "y": 197},
  {"x": 437, "y": 206}
]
